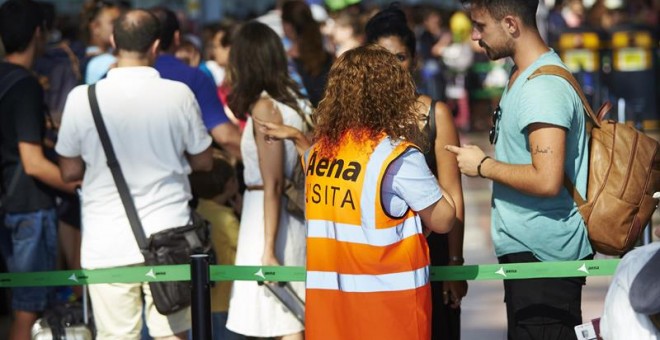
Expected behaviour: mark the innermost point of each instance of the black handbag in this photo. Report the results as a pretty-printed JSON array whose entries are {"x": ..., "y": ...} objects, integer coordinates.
[{"x": 168, "y": 247}]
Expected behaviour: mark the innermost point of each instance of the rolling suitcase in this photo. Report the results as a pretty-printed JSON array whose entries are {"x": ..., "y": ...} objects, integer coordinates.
[
  {"x": 63, "y": 322},
  {"x": 67, "y": 321}
]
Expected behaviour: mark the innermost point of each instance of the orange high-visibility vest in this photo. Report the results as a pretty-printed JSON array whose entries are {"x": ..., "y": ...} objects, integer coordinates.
[{"x": 367, "y": 271}]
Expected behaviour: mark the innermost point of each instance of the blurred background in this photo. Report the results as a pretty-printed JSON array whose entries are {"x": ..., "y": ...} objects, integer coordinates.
[{"x": 610, "y": 45}]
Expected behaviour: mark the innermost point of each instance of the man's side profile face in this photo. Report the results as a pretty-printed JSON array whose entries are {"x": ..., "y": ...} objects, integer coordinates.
[{"x": 490, "y": 34}]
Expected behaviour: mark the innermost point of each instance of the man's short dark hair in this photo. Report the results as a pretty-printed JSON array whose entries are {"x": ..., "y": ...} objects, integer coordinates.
[
  {"x": 136, "y": 31},
  {"x": 18, "y": 21},
  {"x": 498, "y": 9},
  {"x": 169, "y": 24}
]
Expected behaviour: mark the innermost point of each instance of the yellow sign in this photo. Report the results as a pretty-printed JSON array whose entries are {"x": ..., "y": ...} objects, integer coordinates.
[
  {"x": 632, "y": 59},
  {"x": 588, "y": 40},
  {"x": 581, "y": 60},
  {"x": 632, "y": 39}
]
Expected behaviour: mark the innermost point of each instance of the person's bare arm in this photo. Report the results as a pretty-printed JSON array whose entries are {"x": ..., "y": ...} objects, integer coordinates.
[
  {"x": 202, "y": 161},
  {"x": 228, "y": 137},
  {"x": 543, "y": 177},
  {"x": 439, "y": 217},
  {"x": 72, "y": 168},
  {"x": 280, "y": 131},
  {"x": 449, "y": 178},
  {"x": 38, "y": 166},
  {"x": 271, "y": 165}
]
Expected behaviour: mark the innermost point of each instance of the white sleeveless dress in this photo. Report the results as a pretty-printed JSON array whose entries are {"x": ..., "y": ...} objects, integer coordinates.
[{"x": 253, "y": 311}]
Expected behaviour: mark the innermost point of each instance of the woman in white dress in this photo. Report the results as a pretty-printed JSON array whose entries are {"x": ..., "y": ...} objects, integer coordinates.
[{"x": 262, "y": 88}]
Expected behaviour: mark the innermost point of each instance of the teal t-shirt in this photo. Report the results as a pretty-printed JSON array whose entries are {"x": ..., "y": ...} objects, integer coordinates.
[{"x": 549, "y": 227}]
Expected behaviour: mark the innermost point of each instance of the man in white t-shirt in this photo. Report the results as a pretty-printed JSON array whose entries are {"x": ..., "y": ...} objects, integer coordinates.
[{"x": 157, "y": 133}]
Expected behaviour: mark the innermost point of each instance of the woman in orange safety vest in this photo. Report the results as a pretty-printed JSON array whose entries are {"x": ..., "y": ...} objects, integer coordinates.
[{"x": 368, "y": 189}]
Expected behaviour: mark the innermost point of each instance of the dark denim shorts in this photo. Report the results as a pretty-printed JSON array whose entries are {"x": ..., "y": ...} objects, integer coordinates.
[{"x": 32, "y": 248}]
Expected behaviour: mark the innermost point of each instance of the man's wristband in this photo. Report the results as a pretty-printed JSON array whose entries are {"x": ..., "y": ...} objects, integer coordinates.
[{"x": 479, "y": 166}]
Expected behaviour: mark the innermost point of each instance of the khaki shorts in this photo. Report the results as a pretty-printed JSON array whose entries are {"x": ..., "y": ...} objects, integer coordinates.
[{"x": 117, "y": 309}]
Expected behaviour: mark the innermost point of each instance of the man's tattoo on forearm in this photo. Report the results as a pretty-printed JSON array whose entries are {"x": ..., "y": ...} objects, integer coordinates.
[{"x": 538, "y": 150}]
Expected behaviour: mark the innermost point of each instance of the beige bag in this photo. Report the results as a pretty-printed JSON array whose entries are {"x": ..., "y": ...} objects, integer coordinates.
[
  {"x": 294, "y": 188},
  {"x": 624, "y": 173}
]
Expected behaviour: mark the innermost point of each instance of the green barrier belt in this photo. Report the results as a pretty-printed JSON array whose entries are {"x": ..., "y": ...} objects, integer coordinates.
[{"x": 510, "y": 271}]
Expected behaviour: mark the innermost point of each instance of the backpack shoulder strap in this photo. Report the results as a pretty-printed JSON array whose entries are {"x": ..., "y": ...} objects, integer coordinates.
[
  {"x": 555, "y": 70},
  {"x": 10, "y": 79},
  {"x": 559, "y": 71}
]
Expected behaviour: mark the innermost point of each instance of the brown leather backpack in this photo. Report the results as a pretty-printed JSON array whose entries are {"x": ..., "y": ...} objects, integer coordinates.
[{"x": 624, "y": 173}]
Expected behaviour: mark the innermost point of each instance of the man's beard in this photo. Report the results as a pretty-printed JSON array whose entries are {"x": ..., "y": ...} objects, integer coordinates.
[{"x": 495, "y": 54}]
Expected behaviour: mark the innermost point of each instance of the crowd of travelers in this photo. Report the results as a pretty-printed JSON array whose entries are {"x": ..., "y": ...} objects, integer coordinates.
[{"x": 215, "y": 117}]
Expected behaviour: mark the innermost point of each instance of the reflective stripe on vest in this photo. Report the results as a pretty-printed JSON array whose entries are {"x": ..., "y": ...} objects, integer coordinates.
[
  {"x": 368, "y": 283},
  {"x": 354, "y": 234}
]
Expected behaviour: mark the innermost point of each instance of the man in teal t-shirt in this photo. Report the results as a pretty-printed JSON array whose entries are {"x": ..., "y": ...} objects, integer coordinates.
[
  {"x": 539, "y": 136},
  {"x": 548, "y": 225}
]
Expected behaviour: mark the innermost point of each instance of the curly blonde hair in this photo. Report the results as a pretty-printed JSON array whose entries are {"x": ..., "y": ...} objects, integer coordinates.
[{"x": 368, "y": 93}]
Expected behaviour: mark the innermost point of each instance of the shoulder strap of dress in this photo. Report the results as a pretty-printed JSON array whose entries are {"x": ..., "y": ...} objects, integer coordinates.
[{"x": 431, "y": 119}]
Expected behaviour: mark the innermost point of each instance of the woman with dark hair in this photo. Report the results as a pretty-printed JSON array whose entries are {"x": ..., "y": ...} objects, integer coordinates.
[
  {"x": 389, "y": 29},
  {"x": 97, "y": 19},
  {"x": 269, "y": 235},
  {"x": 311, "y": 59}
]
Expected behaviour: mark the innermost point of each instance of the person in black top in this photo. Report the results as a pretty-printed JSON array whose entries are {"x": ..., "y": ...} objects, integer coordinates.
[
  {"x": 29, "y": 208},
  {"x": 389, "y": 29}
]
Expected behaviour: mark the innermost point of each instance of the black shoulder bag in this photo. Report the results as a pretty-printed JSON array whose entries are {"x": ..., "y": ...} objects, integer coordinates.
[{"x": 167, "y": 247}]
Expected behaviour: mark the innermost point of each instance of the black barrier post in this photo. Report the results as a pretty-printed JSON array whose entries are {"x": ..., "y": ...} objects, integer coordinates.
[{"x": 201, "y": 297}]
